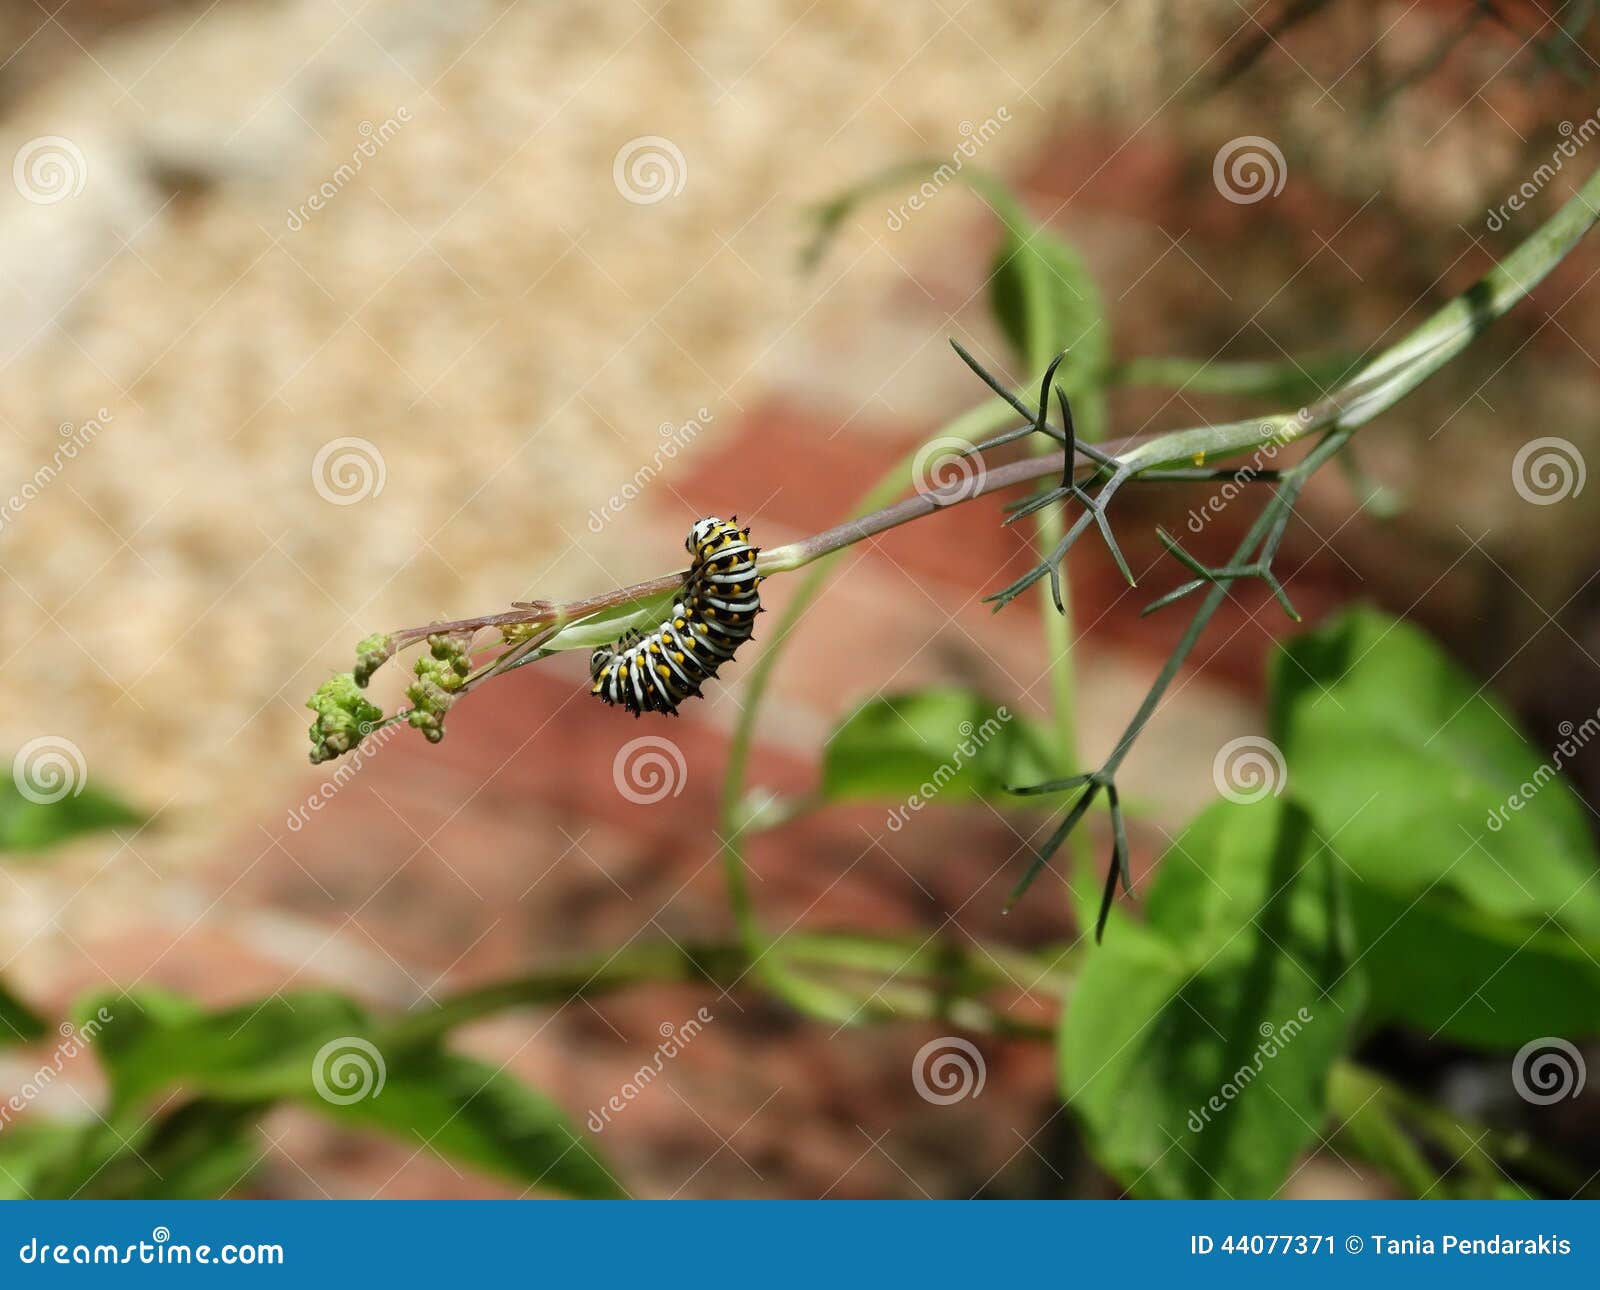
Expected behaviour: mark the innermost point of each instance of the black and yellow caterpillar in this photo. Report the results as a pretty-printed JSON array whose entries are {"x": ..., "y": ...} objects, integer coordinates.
[{"x": 714, "y": 614}]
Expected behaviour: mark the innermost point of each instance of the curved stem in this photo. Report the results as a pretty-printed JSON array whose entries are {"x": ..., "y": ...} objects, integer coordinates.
[{"x": 972, "y": 425}]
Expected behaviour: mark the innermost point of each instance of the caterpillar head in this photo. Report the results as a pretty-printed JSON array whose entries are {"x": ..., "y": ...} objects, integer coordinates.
[{"x": 701, "y": 532}]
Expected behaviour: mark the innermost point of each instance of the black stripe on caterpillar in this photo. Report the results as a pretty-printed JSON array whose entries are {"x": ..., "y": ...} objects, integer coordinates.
[{"x": 714, "y": 614}]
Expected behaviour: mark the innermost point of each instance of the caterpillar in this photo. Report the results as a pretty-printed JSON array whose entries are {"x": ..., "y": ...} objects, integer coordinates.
[{"x": 713, "y": 615}]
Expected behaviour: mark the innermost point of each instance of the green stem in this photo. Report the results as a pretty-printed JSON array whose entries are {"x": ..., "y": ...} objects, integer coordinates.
[
  {"x": 970, "y": 426},
  {"x": 1375, "y": 1117},
  {"x": 942, "y": 979}
]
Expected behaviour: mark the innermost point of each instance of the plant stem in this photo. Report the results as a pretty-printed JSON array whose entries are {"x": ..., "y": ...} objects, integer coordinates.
[
  {"x": 961, "y": 975},
  {"x": 970, "y": 426}
]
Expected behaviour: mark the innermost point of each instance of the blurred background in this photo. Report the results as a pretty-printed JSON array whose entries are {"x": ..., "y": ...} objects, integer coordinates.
[{"x": 363, "y": 314}]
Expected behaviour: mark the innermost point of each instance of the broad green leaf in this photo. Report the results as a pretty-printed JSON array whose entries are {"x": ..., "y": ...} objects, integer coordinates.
[
  {"x": 19, "y": 1024},
  {"x": 1483, "y": 918},
  {"x": 26, "y": 825},
  {"x": 930, "y": 745},
  {"x": 469, "y": 1111},
  {"x": 1477, "y": 978},
  {"x": 1196, "y": 1046},
  {"x": 324, "y": 1051}
]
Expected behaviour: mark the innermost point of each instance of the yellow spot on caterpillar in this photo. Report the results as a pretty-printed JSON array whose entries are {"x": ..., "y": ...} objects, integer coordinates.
[{"x": 1200, "y": 459}]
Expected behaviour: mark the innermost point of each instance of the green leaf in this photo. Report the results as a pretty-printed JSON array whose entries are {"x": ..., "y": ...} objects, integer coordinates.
[
  {"x": 1482, "y": 920},
  {"x": 26, "y": 825},
  {"x": 19, "y": 1024},
  {"x": 200, "y": 1150},
  {"x": 1196, "y": 1047},
  {"x": 1045, "y": 301},
  {"x": 936, "y": 744},
  {"x": 322, "y": 1049},
  {"x": 1476, "y": 978},
  {"x": 30, "y": 1150},
  {"x": 1041, "y": 293},
  {"x": 469, "y": 1111}
]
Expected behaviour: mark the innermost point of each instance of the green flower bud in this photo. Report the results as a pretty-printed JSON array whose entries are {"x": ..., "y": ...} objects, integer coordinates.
[
  {"x": 371, "y": 654},
  {"x": 344, "y": 717}
]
